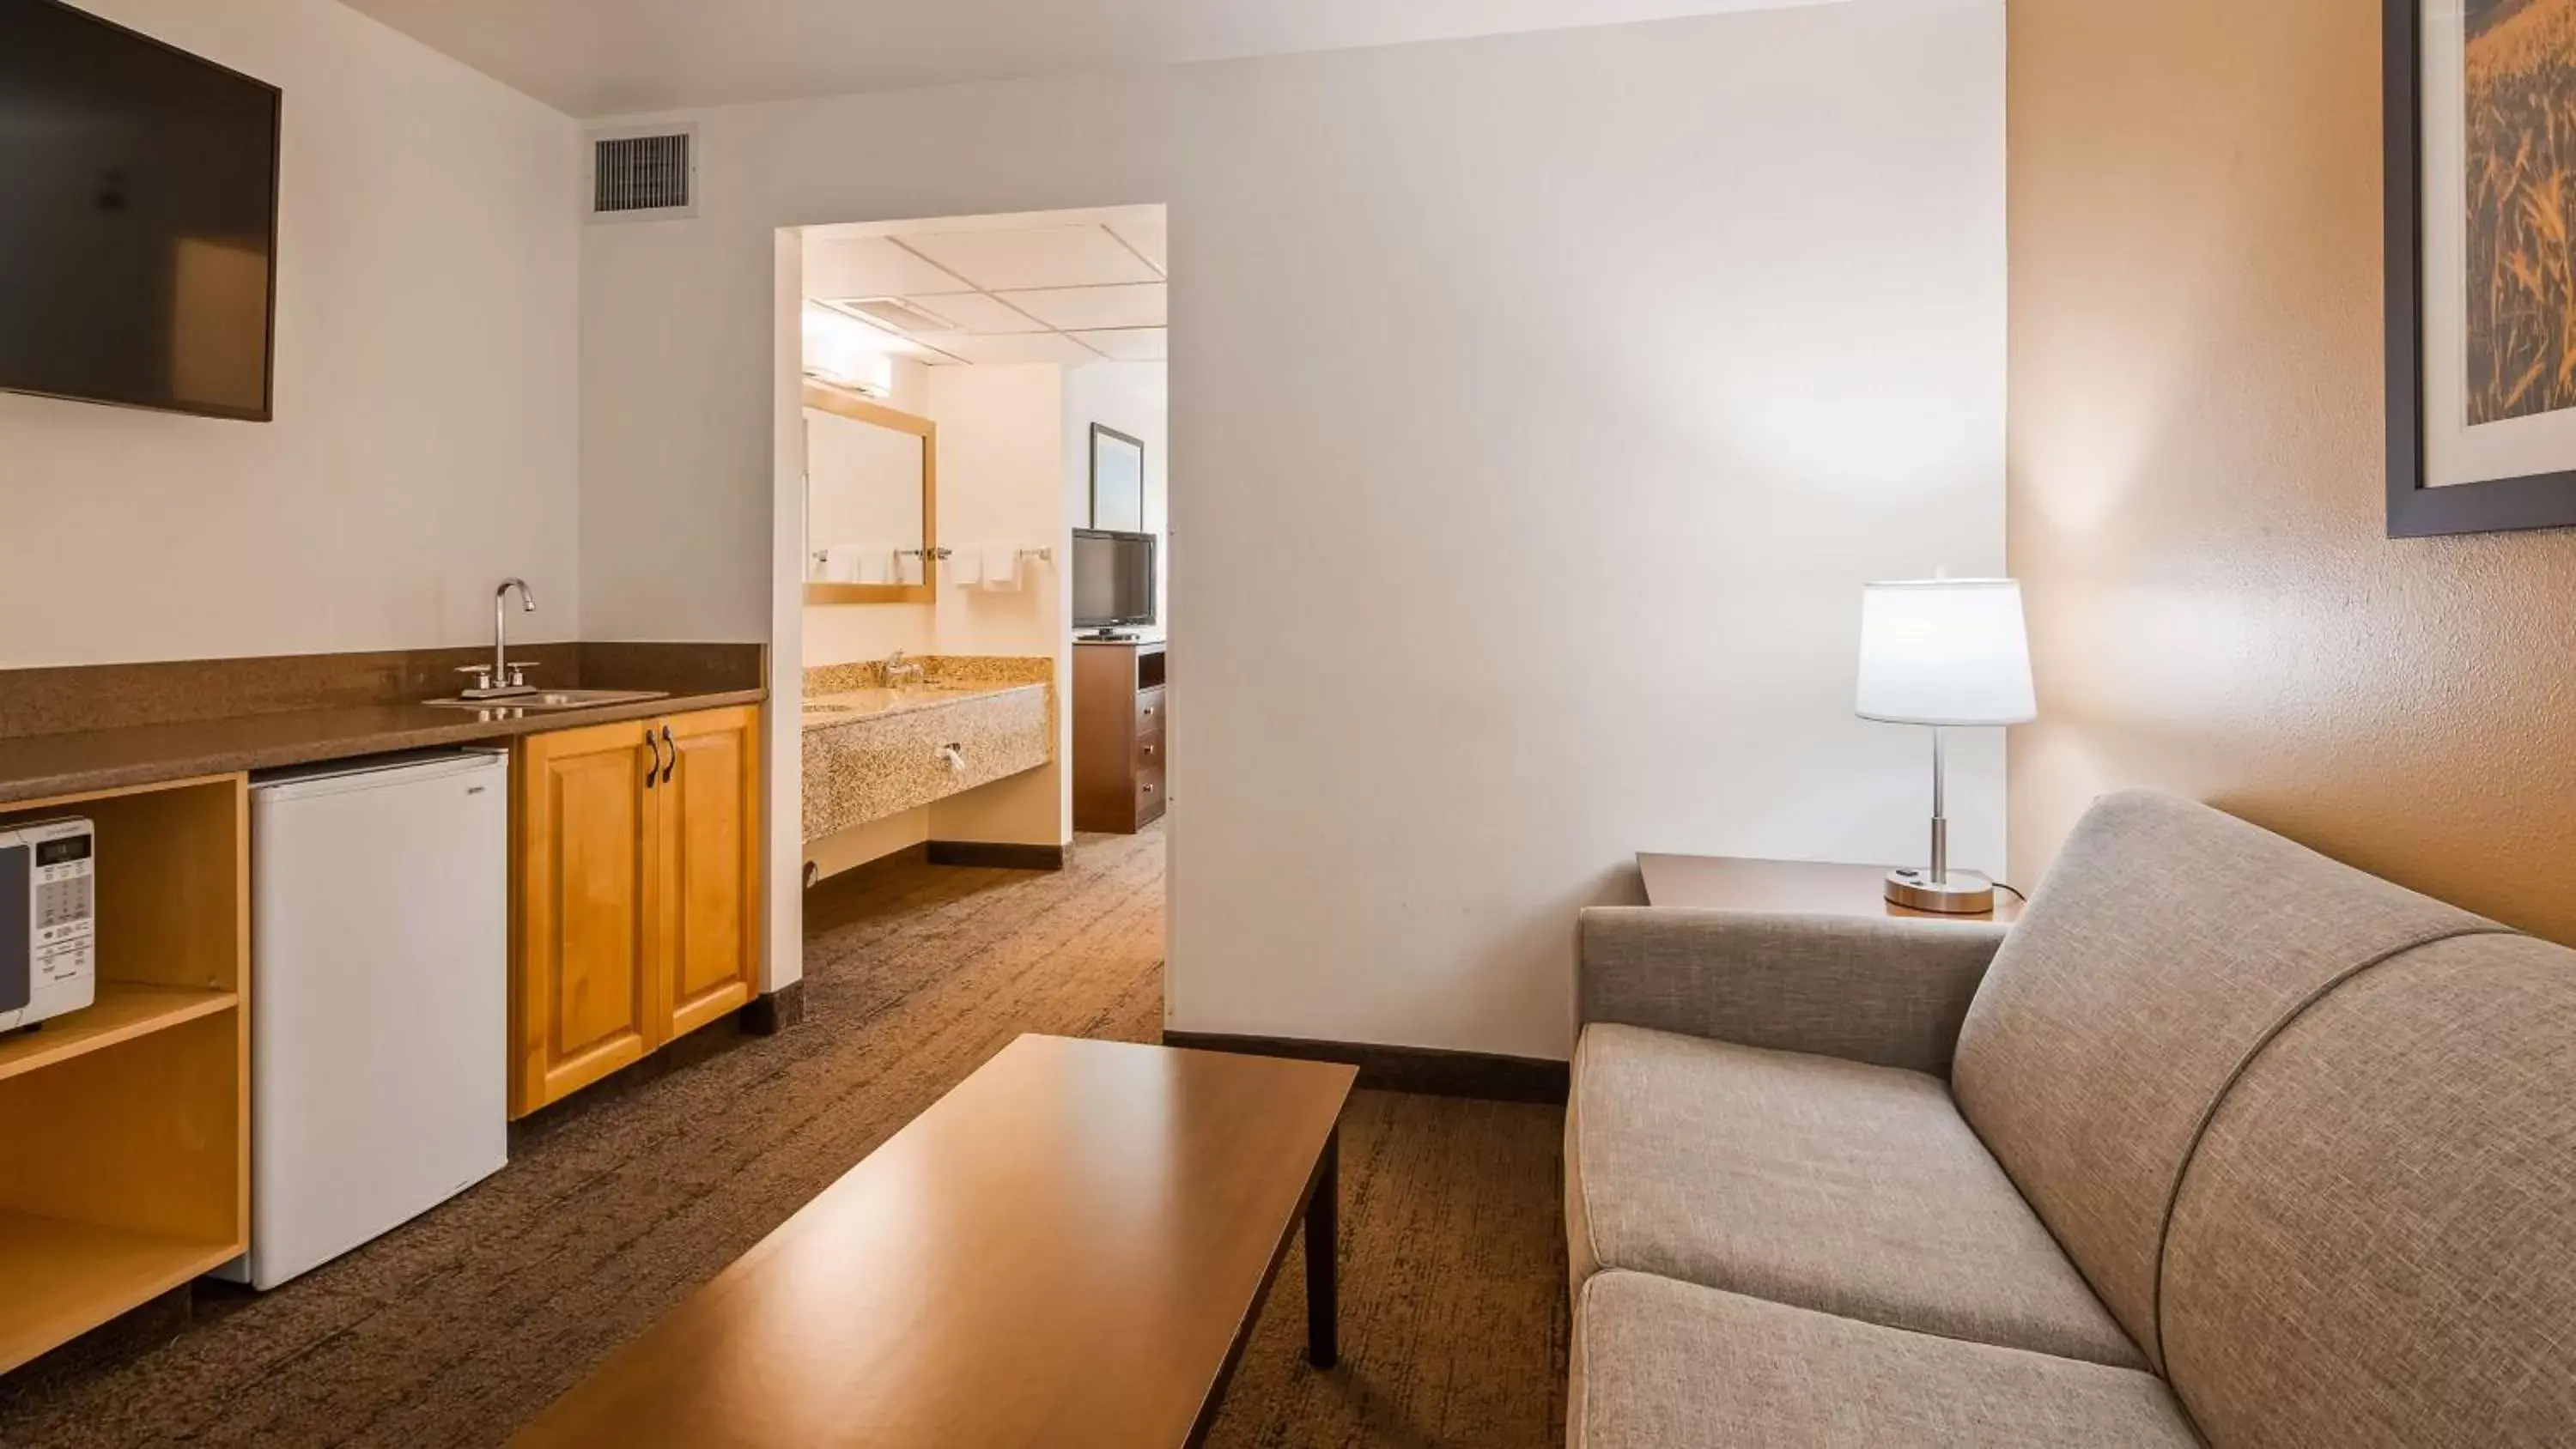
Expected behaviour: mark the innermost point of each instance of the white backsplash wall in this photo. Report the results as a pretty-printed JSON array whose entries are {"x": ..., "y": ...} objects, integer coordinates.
[
  {"x": 427, "y": 437},
  {"x": 1540, "y": 405}
]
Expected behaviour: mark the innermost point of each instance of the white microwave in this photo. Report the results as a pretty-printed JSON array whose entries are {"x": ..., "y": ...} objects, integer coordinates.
[{"x": 48, "y": 921}]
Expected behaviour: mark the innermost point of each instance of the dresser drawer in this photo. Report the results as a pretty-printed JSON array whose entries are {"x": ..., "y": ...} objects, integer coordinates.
[
  {"x": 1149, "y": 792},
  {"x": 1149, "y": 750},
  {"x": 1149, "y": 712}
]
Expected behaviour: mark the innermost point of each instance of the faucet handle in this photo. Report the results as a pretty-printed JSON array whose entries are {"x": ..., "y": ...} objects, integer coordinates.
[
  {"x": 519, "y": 671},
  {"x": 482, "y": 674}
]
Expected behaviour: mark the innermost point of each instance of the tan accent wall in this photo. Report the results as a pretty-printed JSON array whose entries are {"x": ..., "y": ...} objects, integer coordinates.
[{"x": 2196, "y": 471}]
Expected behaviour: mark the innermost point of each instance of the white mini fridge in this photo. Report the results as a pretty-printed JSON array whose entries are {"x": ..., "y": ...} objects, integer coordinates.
[{"x": 379, "y": 1003}]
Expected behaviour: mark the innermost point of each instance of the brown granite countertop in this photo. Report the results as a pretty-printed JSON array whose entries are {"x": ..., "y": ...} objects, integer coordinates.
[{"x": 36, "y": 767}]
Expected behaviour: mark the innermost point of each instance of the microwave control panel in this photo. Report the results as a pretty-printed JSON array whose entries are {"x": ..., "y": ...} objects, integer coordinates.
[{"x": 62, "y": 918}]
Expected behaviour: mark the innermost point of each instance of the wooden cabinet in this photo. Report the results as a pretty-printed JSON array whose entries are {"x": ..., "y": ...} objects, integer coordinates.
[
  {"x": 635, "y": 900},
  {"x": 710, "y": 866},
  {"x": 1121, "y": 735}
]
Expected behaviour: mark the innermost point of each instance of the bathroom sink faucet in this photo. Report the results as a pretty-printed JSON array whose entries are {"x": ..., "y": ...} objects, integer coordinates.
[
  {"x": 897, "y": 669},
  {"x": 502, "y": 676}
]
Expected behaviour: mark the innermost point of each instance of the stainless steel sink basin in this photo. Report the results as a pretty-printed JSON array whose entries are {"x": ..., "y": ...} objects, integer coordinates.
[{"x": 554, "y": 699}]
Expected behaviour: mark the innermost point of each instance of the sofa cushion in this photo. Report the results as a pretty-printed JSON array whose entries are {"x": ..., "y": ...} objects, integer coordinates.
[
  {"x": 1660, "y": 1364},
  {"x": 2166, "y": 946},
  {"x": 1816, "y": 1182},
  {"x": 2376, "y": 1243}
]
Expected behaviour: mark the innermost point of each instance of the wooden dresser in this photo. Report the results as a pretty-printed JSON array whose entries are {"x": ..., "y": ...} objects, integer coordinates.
[{"x": 1119, "y": 733}]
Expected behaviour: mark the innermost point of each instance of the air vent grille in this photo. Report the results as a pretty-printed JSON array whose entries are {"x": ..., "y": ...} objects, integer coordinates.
[
  {"x": 638, "y": 176},
  {"x": 893, "y": 312}
]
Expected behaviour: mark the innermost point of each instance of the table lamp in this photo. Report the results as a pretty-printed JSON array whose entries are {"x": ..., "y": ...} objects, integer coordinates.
[{"x": 1949, "y": 653}]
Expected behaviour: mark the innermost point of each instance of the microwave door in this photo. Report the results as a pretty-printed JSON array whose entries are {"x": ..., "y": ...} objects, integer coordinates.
[{"x": 17, "y": 931}]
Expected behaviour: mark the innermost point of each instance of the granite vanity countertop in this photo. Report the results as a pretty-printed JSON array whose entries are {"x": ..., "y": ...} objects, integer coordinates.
[
  {"x": 35, "y": 767},
  {"x": 858, "y": 706}
]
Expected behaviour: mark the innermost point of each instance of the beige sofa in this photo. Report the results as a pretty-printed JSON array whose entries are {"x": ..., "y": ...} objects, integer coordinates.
[{"x": 2225, "y": 1143}]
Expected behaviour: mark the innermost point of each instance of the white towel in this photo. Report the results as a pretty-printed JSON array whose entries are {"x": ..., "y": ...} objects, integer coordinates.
[
  {"x": 1001, "y": 569},
  {"x": 966, "y": 568},
  {"x": 871, "y": 566}
]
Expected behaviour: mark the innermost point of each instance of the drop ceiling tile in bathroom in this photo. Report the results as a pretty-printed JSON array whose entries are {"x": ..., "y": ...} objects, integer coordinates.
[
  {"x": 1130, "y": 344},
  {"x": 1085, "y": 308},
  {"x": 870, "y": 266},
  {"x": 976, "y": 312},
  {"x": 1046, "y": 256},
  {"x": 1148, "y": 238},
  {"x": 1012, "y": 347}
]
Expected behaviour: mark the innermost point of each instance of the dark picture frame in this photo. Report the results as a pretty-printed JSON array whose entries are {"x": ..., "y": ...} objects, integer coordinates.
[
  {"x": 1119, "y": 520},
  {"x": 2417, "y": 508}
]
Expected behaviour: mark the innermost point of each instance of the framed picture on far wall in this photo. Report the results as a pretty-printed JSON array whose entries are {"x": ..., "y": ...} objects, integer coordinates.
[
  {"x": 2481, "y": 140},
  {"x": 1117, "y": 481}
]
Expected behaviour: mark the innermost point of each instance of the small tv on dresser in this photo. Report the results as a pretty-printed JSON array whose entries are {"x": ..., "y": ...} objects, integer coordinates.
[
  {"x": 138, "y": 219},
  {"x": 1113, "y": 581}
]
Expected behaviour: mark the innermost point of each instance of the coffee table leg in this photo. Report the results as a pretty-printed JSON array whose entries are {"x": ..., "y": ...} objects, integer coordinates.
[{"x": 1323, "y": 1253}]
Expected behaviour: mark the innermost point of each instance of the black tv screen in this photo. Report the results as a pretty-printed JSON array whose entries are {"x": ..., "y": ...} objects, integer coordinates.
[
  {"x": 1113, "y": 579},
  {"x": 138, "y": 219}
]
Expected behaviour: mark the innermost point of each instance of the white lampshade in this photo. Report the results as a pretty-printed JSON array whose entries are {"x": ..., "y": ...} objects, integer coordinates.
[{"x": 1945, "y": 652}]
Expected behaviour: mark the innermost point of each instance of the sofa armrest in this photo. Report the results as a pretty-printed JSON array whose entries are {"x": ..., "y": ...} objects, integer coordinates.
[{"x": 1889, "y": 992}]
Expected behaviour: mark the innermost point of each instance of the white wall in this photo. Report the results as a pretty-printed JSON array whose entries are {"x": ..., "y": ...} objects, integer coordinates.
[
  {"x": 426, "y": 442},
  {"x": 1539, "y": 404}
]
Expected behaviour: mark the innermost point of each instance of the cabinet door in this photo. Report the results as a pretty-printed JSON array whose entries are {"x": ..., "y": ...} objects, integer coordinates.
[
  {"x": 708, "y": 879},
  {"x": 585, "y": 1000}
]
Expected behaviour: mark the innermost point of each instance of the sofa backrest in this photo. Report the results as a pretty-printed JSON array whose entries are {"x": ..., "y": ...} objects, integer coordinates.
[
  {"x": 2375, "y": 1245},
  {"x": 2161, "y": 956}
]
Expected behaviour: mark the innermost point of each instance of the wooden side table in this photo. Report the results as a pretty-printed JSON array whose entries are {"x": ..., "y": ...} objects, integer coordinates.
[{"x": 1726, "y": 883}]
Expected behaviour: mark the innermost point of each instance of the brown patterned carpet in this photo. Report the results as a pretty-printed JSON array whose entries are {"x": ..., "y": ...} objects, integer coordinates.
[{"x": 461, "y": 1325}]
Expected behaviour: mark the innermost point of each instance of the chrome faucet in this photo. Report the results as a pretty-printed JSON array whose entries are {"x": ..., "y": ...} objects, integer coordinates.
[
  {"x": 896, "y": 669},
  {"x": 501, "y": 623},
  {"x": 502, "y": 677}
]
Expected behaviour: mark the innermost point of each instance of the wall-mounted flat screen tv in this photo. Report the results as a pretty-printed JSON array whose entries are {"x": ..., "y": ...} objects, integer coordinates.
[{"x": 138, "y": 219}]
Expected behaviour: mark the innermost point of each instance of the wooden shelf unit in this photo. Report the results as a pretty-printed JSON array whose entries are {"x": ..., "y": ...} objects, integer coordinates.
[
  {"x": 124, "y": 1011},
  {"x": 128, "y": 1122}
]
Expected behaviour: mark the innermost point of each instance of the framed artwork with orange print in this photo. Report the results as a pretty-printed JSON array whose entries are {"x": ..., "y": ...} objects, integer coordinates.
[{"x": 2481, "y": 143}]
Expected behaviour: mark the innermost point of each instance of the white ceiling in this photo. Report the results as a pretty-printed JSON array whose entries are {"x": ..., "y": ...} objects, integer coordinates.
[
  {"x": 1065, "y": 287},
  {"x": 607, "y": 57}
]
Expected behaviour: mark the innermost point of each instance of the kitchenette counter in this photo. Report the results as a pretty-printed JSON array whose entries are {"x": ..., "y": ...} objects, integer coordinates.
[
  {"x": 138, "y": 741},
  {"x": 35, "y": 767}
]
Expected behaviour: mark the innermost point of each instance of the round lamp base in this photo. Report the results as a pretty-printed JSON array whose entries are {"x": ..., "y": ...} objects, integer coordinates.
[{"x": 1965, "y": 893}]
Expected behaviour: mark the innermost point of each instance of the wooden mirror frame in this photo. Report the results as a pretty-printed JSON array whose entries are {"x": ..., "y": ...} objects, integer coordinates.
[{"x": 858, "y": 409}]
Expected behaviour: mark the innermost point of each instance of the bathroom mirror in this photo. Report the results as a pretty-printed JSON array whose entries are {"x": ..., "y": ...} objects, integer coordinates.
[{"x": 871, "y": 501}]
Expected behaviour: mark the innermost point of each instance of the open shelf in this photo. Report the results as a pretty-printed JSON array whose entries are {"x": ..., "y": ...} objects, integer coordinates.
[
  {"x": 124, "y": 1010},
  {"x": 61, "y": 1279},
  {"x": 127, "y": 1123}
]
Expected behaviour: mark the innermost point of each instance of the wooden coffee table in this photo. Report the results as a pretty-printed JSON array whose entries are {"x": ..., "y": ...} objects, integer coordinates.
[{"x": 1069, "y": 1249}]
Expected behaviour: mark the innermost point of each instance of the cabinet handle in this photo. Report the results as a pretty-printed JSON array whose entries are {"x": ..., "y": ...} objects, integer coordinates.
[
  {"x": 673, "y": 762},
  {"x": 1149, "y": 749},
  {"x": 655, "y": 768}
]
